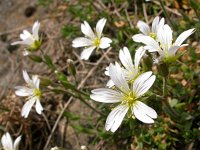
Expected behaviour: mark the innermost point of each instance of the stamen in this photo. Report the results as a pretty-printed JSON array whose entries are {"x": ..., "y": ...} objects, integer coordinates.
[
  {"x": 129, "y": 99},
  {"x": 153, "y": 35},
  {"x": 96, "y": 42},
  {"x": 37, "y": 93}
]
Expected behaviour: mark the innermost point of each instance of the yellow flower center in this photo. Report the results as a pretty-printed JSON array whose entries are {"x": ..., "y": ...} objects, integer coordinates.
[
  {"x": 129, "y": 99},
  {"x": 153, "y": 35},
  {"x": 35, "y": 45},
  {"x": 37, "y": 93},
  {"x": 96, "y": 42}
]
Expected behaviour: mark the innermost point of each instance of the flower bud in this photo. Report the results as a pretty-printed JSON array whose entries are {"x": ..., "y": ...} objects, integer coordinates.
[{"x": 71, "y": 67}]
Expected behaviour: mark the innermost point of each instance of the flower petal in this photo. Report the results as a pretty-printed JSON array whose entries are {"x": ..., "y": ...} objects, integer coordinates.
[
  {"x": 35, "y": 30},
  {"x": 117, "y": 76},
  {"x": 38, "y": 107},
  {"x": 144, "y": 113},
  {"x": 99, "y": 27},
  {"x": 125, "y": 58},
  {"x": 143, "y": 27},
  {"x": 150, "y": 43},
  {"x": 36, "y": 81},
  {"x": 27, "y": 34},
  {"x": 27, "y": 41},
  {"x": 183, "y": 36},
  {"x": 6, "y": 141},
  {"x": 172, "y": 51},
  {"x": 105, "y": 42},
  {"x": 18, "y": 42},
  {"x": 23, "y": 91},
  {"x": 26, "y": 77},
  {"x": 155, "y": 24},
  {"x": 142, "y": 84},
  {"x": 161, "y": 24},
  {"x": 138, "y": 55},
  {"x": 86, "y": 29},
  {"x": 165, "y": 37},
  {"x": 87, "y": 52},
  {"x": 115, "y": 117},
  {"x": 16, "y": 143},
  {"x": 110, "y": 84},
  {"x": 27, "y": 107},
  {"x": 81, "y": 42},
  {"x": 106, "y": 95}
]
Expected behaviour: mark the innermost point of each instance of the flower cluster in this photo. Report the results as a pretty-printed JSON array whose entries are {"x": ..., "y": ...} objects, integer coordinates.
[
  {"x": 128, "y": 83},
  {"x": 159, "y": 39}
]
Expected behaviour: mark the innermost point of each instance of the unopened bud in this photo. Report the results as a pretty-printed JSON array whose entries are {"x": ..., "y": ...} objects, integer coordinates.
[{"x": 71, "y": 67}]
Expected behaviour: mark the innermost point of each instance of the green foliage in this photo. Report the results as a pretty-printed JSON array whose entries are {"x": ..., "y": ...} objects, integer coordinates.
[
  {"x": 45, "y": 2},
  {"x": 69, "y": 31},
  {"x": 71, "y": 116}
]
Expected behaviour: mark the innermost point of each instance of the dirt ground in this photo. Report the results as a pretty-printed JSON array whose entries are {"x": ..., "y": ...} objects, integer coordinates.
[{"x": 21, "y": 14}]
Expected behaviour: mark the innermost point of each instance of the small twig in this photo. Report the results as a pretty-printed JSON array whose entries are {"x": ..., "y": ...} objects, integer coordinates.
[
  {"x": 168, "y": 9},
  {"x": 135, "y": 12},
  {"x": 56, "y": 123},
  {"x": 70, "y": 99},
  {"x": 46, "y": 120},
  {"x": 145, "y": 13},
  {"x": 166, "y": 14},
  {"x": 128, "y": 18}
]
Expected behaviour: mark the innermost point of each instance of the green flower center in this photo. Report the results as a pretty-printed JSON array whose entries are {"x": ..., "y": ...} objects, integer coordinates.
[
  {"x": 153, "y": 35},
  {"x": 129, "y": 99},
  {"x": 96, "y": 42},
  {"x": 37, "y": 93},
  {"x": 35, "y": 45}
]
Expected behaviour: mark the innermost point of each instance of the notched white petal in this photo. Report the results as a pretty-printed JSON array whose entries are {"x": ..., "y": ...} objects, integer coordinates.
[
  {"x": 86, "y": 29},
  {"x": 143, "y": 27},
  {"x": 106, "y": 95},
  {"x": 38, "y": 107},
  {"x": 125, "y": 58},
  {"x": 99, "y": 27},
  {"x": 117, "y": 76},
  {"x": 144, "y": 113},
  {"x": 27, "y": 107},
  {"x": 105, "y": 42},
  {"x": 116, "y": 117},
  {"x": 87, "y": 52},
  {"x": 81, "y": 42},
  {"x": 183, "y": 36}
]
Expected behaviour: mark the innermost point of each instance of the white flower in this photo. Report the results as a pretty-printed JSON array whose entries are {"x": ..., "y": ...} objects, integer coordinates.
[
  {"x": 92, "y": 39},
  {"x": 163, "y": 45},
  {"x": 32, "y": 91},
  {"x": 32, "y": 41},
  {"x": 147, "y": 31},
  {"x": 131, "y": 71},
  {"x": 128, "y": 97},
  {"x": 55, "y": 148},
  {"x": 7, "y": 142}
]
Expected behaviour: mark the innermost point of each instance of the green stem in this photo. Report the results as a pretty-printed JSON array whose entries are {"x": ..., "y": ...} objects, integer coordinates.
[
  {"x": 165, "y": 97},
  {"x": 81, "y": 99}
]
